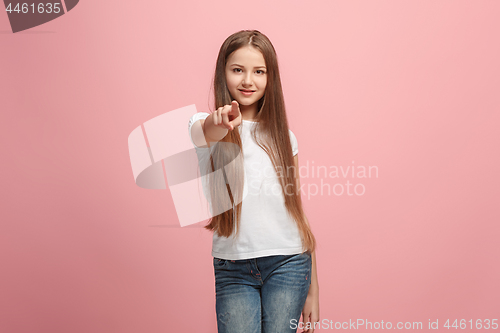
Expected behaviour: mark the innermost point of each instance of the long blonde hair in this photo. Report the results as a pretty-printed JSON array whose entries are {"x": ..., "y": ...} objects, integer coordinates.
[{"x": 272, "y": 123}]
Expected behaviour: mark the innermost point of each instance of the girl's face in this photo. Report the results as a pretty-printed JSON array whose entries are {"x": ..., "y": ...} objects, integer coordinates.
[{"x": 246, "y": 71}]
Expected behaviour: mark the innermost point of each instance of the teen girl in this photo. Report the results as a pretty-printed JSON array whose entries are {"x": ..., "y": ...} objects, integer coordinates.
[{"x": 263, "y": 247}]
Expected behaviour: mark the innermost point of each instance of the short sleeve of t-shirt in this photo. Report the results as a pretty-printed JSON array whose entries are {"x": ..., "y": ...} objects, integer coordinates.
[
  {"x": 194, "y": 118},
  {"x": 295, "y": 144}
]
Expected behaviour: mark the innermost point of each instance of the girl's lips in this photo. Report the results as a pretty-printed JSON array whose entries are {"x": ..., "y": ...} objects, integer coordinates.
[{"x": 247, "y": 93}]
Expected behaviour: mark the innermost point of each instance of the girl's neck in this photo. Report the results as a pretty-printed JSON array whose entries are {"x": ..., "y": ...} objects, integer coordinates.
[{"x": 248, "y": 112}]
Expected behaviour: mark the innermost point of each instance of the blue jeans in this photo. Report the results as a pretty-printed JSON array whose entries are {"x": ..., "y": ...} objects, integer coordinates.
[{"x": 261, "y": 295}]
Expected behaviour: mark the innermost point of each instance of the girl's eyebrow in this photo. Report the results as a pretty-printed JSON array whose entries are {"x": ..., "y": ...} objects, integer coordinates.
[{"x": 244, "y": 66}]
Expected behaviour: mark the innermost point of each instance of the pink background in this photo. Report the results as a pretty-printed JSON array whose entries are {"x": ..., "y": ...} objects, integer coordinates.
[{"x": 408, "y": 86}]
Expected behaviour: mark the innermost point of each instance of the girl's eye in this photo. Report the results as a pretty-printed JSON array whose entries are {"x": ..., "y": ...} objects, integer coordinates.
[{"x": 239, "y": 69}]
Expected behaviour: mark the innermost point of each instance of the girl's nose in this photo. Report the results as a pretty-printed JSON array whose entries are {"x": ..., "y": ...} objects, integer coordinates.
[{"x": 247, "y": 80}]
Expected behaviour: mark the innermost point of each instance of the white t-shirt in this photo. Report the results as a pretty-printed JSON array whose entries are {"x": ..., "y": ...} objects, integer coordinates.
[{"x": 266, "y": 228}]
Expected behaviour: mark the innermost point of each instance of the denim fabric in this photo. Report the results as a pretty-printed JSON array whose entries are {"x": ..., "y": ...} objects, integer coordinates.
[{"x": 261, "y": 295}]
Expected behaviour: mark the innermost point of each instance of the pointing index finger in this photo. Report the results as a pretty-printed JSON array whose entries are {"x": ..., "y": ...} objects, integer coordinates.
[{"x": 235, "y": 106}]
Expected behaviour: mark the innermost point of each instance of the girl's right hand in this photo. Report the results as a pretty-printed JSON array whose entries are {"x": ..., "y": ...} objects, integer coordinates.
[{"x": 228, "y": 116}]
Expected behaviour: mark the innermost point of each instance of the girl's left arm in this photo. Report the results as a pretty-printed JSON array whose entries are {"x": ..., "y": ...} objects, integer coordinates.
[
  {"x": 310, "y": 313},
  {"x": 314, "y": 276},
  {"x": 314, "y": 288},
  {"x": 311, "y": 308}
]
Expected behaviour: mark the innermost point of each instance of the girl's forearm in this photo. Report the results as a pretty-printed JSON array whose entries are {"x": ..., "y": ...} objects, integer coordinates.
[
  {"x": 213, "y": 133},
  {"x": 314, "y": 288}
]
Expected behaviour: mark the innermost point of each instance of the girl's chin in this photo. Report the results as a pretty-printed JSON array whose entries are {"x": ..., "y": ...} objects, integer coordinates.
[{"x": 243, "y": 102}]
